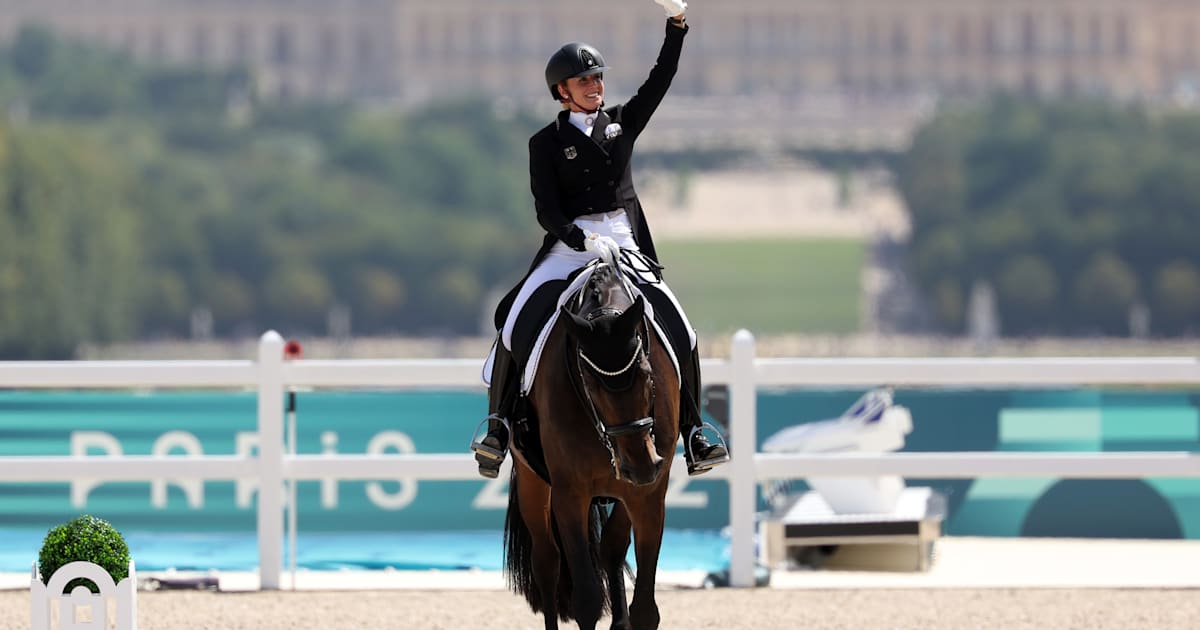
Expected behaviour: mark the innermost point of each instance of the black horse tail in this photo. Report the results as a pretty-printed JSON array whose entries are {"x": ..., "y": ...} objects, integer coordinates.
[
  {"x": 518, "y": 550},
  {"x": 518, "y": 556}
]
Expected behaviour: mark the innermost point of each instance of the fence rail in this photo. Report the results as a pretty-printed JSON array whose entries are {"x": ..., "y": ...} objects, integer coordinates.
[{"x": 270, "y": 375}]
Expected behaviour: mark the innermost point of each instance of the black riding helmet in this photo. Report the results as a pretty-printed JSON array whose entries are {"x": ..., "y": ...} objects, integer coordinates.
[{"x": 572, "y": 61}]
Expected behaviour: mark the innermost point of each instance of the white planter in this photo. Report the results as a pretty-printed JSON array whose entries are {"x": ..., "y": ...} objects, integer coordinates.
[{"x": 45, "y": 596}]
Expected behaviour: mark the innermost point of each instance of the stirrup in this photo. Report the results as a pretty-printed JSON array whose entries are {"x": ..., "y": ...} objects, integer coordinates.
[
  {"x": 484, "y": 450},
  {"x": 704, "y": 465}
]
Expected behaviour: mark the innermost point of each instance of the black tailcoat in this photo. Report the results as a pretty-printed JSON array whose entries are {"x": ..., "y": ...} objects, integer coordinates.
[{"x": 572, "y": 174}]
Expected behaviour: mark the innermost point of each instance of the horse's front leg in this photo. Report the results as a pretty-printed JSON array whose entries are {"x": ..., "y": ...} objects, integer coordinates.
[
  {"x": 570, "y": 512},
  {"x": 614, "y": 544},
  {"x": 647, "y": 515},
  {"x": 534, "y": 501}
]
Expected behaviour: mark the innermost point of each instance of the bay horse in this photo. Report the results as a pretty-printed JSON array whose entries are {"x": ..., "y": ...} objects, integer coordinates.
[{"x": 606, "y": 401}]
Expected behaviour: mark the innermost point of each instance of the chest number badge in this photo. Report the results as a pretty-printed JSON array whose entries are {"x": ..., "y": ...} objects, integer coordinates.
[{"x": 570, "y": 152}]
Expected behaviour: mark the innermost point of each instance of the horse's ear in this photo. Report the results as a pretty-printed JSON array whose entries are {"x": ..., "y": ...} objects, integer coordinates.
[
  {"x": 628, "y": 320},
  {"x": 577, "y": 326}
]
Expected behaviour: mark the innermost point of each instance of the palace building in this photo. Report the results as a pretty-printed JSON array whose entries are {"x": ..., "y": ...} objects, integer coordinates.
[{"x": 790, "y": 64}]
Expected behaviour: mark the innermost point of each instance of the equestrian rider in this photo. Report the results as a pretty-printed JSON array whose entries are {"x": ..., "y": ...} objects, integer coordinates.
[{"x": 579, "y": 170}]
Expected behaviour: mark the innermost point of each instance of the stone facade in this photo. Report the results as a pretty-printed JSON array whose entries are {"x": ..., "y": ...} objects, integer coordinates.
[{"x": 826, "y": 62}]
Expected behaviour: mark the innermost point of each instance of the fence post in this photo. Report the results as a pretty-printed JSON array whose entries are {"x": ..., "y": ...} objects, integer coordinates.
[
  {"x": 743, "y": 439},
  {"x": 270, "y": 460}
]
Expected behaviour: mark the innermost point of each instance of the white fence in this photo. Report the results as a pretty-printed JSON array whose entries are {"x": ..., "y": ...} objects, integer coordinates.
[{"x": 743, "y": 373}]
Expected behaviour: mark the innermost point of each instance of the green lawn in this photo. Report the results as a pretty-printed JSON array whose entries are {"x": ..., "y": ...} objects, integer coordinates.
[{"x": 767, "y": 286}]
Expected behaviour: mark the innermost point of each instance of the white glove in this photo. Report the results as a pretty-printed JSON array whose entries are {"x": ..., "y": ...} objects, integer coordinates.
[
  {"x": 604, "y": 247},
  {"x": 672, "y": 7}
]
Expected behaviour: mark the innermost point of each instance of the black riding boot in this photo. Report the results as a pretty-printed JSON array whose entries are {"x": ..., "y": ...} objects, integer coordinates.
[
  {"x": 502, "y": 397},
  {"x": 701, "y": 456}
]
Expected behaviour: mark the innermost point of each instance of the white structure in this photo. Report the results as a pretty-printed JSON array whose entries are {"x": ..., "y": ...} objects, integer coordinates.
[
  {"x": 743, "y": 372},
  {"x": 45, "y": 596},
  {"x": 850, "y": 511},
  {"x": 871, "y": 425}
]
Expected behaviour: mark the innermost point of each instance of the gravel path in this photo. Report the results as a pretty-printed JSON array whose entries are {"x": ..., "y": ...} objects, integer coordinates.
[{"x": 724, "y": 609}]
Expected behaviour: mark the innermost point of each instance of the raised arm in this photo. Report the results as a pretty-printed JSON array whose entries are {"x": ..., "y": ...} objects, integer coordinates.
[{"x": 640, "y": 108}]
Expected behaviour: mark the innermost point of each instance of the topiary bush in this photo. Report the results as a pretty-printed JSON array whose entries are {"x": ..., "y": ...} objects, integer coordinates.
[{"x": 89, "y": 539}]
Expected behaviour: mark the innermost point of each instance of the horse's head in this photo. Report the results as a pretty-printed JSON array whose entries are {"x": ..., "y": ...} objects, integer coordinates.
[{"x": 615, "y": 377}]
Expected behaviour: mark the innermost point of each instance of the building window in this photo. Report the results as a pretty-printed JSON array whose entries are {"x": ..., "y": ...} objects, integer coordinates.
[
  {"x": 962, "y": 37},
  {"x": 158, "y": 46},
  {"x": 1067, "y": 28},
  {"x": 899, "y": 39},
  {"x": 475, "y": 35},
  {"x": 991, "y": 36},
  {"x": 425, "y": 38},
  {"x": 243, "y": 45},
  {"x": 283, "y": 48},
  {"x": 939, "y": 42},
  {"x": 818, "y": 33},
  {"x": 327, "y": 50},
  {"x": 845, "y": 45},
  {"x": 872, "y": 44},
  {"x": 1029, "y": 44},
  {"x": 1095, "y": 36},
  {"x": 364, "y": 49},
  {"x": 1122, "y": 43},
  {"x": 803, "y": 40},
  {"x": 519, "y": 41},
  {"x": 784, "y": 35},
  {"x": 201, "y": 45},
  {"x": 754, "y": 34}
]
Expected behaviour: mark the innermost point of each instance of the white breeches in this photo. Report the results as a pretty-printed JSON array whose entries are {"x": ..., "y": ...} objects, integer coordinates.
[{"x": 561, "y": 261}]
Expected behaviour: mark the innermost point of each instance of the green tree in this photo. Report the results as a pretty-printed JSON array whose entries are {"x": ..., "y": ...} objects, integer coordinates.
[
  {"x": 298, "y": 294},
  {"x": 1027, "y": 290},
  {"x": 1103, "y": 293},
  {"x": 72, "y": 258},
  {"x": 1101, "y": 196},
  {"x": 32, "y": 53},
  {"x": 134, "y": 195},
  {"x": 376, "y": 297},
  {"x": 1176, "y": 297}
]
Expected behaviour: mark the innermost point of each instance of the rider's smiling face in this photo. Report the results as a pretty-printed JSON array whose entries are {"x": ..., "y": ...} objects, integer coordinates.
[{"x": 586, "y": 93}]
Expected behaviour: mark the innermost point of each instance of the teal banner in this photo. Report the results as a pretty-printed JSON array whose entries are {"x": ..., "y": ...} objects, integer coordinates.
[
  {"x": 222, "y": 423},
  {"x": 1040, "y": 420},
  {"x": 215, "y": 423}
]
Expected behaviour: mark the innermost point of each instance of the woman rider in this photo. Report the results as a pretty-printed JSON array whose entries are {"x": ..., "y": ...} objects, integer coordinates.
[{"x": 579, "y": 170}]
